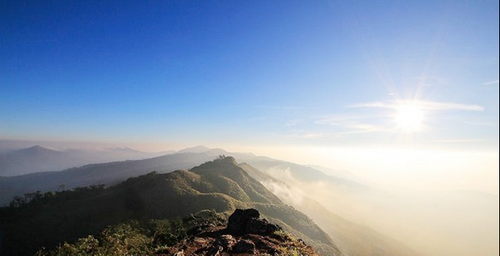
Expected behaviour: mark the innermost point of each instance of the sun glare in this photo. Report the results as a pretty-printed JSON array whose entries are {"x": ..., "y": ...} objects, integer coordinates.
[{"x": 409, "y": 117}]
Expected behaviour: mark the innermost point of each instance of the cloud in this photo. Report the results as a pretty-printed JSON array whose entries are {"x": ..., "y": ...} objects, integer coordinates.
[
  {"x": 458, "y": 141},
  {"x": 491, "y": 82},
  {"x": 430, "y": 105},
  {"x": 309, "y": 135},
  {"x": 341, "y": 119},
  {"x": 352, "y": 124}
]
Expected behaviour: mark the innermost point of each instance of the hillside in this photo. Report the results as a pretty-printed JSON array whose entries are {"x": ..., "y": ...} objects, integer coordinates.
[
  {"x": 351, "y": 238},
  {"x": 37, "y": 159},
  {"x": 105, "y": 173},
  {"x": 220, "y": 185},
  {"x": 244, "y": 234},
  {"x": 203, "y": 233},
  {"x": 115, "y": 172}
]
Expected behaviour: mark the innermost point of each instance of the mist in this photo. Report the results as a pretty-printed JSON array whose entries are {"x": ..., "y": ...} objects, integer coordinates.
[{"x": 431, "y": 223}]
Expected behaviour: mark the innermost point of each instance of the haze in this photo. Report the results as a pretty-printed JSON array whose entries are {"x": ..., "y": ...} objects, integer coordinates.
[{"x": 402, "y": 97}]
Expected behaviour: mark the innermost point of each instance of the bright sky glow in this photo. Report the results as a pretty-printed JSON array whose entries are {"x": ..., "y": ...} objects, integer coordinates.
[
  {"x": 409, "y": 117},
  {"x": 254, "y": 75}
]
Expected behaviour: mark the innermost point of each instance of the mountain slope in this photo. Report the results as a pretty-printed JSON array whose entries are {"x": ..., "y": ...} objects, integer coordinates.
[
  {"x": 106, "y": 173},
  {"x": 31, "y": 159},
  {"x": 351, "y": 238},
  {"x": 39, "y": 159},
  {"x": 203, "y": 233},
  {"x": 220, "y": 185}
]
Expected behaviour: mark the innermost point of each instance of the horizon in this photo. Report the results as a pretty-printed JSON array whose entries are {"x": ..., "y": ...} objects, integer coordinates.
[
  {"x": 410, "y": 88},
  {"x": 377, "y": 178},
  {"x": 374, "y": 125}
]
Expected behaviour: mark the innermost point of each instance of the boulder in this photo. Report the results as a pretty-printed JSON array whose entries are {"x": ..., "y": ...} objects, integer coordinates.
[
  {"x": 244, "y": 246},
  {"x": 247, "y": 221}
]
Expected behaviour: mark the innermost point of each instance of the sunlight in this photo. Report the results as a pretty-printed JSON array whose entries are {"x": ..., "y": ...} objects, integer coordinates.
[{"x": 409, "y": 117}]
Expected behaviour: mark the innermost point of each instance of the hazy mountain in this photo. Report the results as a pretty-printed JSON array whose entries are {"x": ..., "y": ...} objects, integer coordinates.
[
  {"x": 40, "y": 159},
  {"x": 408, "y": 216},
  {"x": 114, "y": 172},
  {"x": 431, "y": 222},
  {"x": 92, "y": 174},
  {"x": 220, "y": 185},
  {"x": 33, "y": 159}
]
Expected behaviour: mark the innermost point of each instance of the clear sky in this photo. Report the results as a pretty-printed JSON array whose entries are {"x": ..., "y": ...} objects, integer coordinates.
[{"x": 264, "y": 76}]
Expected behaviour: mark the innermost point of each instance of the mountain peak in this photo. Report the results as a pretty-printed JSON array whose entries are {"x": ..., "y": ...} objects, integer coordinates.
[
  {"x": 195, "y": 149},
  {"x": 222, "y": 164},
  {"x": 203, "y": 149},
  {"x": 37, "y": 149}
]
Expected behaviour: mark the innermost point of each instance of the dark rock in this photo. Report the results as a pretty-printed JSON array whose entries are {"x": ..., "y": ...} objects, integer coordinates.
[
  {"x": 244, "y": 246},
  {"x": 247, "y": 221},
  {"x": 257, "y": 226},
  {"x": 198, "y": 229},
  {"x": 215, "y": 250}
]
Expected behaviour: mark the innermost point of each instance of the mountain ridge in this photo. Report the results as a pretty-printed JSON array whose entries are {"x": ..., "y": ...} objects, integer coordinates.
[{"x": 155, "y": 196}]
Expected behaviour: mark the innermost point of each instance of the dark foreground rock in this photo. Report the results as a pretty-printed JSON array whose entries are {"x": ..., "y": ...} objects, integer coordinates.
[
  {"x": 243, "y": 222},
  {"x": 245, "y": 234}
]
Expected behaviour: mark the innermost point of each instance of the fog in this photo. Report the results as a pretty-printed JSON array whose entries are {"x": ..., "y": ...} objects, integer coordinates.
[
  {"x": 421, "y": 168},
  {"x": 431, "y": 223}
]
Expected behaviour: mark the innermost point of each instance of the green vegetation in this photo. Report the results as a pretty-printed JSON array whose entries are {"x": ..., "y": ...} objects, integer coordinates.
[
  {"x": 135, "y": 238},
  {"x": 49, "y": 219}
]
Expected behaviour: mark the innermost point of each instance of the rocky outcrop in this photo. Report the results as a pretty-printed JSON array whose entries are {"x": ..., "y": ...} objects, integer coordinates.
[
  {"x": 245, "y": 234},
  {"x": 243, "y": 222}
]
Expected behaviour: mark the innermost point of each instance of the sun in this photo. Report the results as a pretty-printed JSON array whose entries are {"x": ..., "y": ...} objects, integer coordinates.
[{"x": 409, "y": 117}]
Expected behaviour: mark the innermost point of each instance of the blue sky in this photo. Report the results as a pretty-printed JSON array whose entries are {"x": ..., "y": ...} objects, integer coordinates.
[{"x": 256, "y": 73}]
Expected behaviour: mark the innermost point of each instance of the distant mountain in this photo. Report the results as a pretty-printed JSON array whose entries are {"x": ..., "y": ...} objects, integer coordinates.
[
  {"x": 114, "y": 172},
  {"x": 221, "y": 185},
  {"x": 93, "y": 174},
  {"x": 40, "y": 159},
  {"x": 202, "y": 149},
  {"x": 31, "y": 159}
]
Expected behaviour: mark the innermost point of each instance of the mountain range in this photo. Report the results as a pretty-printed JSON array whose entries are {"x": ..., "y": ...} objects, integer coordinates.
[
  {"x": 221, "y": 185},
  {"x": 40, "y": 159},
  {"x": 361, "y": 219}
]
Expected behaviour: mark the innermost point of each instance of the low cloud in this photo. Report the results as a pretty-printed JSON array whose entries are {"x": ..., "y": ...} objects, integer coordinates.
[
  {"x": 431, "y": 105},
  {"x": 352, "y": 124}
]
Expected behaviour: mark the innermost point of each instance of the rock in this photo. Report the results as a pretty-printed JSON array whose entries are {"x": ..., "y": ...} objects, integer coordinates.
[
  {"x": 244, "y": 246},
  {"x": 226, "y": 241},
  {"x": 247, "y": 221},
  {"x": 257, "y": 226},
  {"x": 200, "y": 240},
  {"x": 199, "y": 229},
  {"x": 215, "y": 250},
  {"x": 180, "y": 253}
]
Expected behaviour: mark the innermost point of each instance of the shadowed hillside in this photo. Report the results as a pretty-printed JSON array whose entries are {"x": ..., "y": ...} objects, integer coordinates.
[
  {"x": 106, "y": 173},
  {"x": 50, "y": 218},
  {"x": 203, "y": 233}
]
